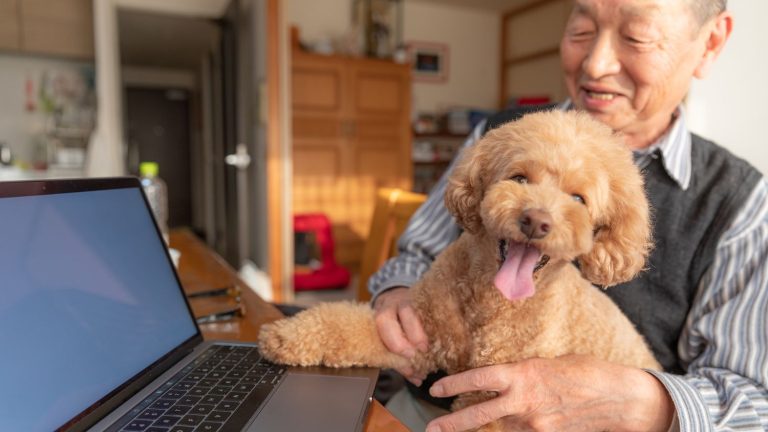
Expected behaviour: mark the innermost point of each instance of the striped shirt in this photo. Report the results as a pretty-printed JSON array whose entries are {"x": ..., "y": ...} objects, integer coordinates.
[{"x": 724, "y": 343}]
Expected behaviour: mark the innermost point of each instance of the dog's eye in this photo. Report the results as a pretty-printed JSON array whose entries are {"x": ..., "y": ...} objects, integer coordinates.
[
  {"x": 579, "y": 198},
  {"x": 520, "y": 179}
]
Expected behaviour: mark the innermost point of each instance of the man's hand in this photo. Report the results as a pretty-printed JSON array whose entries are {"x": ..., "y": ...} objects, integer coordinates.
[
  {"x": 399, "y": 327},
  {"x": 570, "y": 393}
]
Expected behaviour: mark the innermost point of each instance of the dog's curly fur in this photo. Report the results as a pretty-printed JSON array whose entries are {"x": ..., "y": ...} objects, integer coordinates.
[{"x": 468, "y": 322}]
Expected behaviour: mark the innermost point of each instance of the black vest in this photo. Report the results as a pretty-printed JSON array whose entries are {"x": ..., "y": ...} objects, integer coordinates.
[{"x": 687, "y": 226}]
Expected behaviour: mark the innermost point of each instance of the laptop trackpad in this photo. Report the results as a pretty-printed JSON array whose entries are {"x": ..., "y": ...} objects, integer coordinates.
[{"x": 315, "y": 403}]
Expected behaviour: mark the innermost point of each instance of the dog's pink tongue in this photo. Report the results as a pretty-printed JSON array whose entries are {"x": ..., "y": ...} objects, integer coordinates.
[{"x": 515, "y": 277}]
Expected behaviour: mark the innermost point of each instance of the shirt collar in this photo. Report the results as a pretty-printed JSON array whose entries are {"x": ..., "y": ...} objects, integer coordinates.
[{"x": 674, "y": 147}]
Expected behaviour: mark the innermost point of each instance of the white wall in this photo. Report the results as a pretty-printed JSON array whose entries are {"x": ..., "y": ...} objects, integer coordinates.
[
  {"x": 472, "y": 36},
  {"x": 731, "y": 105},
  {"x": 318, "y": 19}
]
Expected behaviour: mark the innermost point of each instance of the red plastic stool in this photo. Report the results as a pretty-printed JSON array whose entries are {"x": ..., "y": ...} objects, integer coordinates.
[{"x": 326, "y": 274}]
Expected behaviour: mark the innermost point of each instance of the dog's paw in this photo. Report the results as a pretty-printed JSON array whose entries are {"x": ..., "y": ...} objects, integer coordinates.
[
  {"x": 270, "y": 341},
  {"x": 332, "y": 334},
  {"x": 282, "y": 342}
]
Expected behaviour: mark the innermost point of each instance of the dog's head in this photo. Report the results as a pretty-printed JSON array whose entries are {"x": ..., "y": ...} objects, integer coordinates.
[{"x": 555, "y": 185}]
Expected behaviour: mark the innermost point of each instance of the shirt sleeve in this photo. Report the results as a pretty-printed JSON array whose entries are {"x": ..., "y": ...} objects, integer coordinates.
[
  {"x": 428, "y": 232},
  {"x": 725, "y": 340}
]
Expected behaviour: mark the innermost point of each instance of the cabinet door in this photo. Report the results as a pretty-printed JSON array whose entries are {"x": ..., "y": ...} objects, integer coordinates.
[
  {"x": 317, "y": 85},
  {"x": 9, "y": 24},
  {"x": 350, "y": 136},
  {"x": 381, "y": 140},
  {"x": 380, "y": 143},
  {"x": 61, "y": 27},
  {"x": 319, "y": 129}
]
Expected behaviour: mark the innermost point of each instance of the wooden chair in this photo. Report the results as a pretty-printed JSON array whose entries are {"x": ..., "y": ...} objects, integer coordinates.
[{"x": 391, "y": 213}]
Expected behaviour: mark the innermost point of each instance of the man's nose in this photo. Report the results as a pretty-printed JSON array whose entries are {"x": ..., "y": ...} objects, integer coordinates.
[{"x": 602, "y": 59}]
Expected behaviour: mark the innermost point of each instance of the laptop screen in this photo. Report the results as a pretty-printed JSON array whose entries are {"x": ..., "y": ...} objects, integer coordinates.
[{"x": 88, "y": 299}]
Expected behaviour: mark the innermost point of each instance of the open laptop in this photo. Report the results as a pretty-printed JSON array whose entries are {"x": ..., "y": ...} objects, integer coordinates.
[{"x": 98, "y": 335}]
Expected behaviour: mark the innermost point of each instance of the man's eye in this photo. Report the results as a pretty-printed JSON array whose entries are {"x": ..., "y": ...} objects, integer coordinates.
[
  {"x": 640, "y": 36},
  {"x": 579, "y": 198},
  {"x": 520, "y": 179},
  {"x": 637, "y": 41},
  {"x": 581, "y": 35}
]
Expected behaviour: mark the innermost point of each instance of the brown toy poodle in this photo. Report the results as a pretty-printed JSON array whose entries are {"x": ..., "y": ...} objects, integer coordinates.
[{"x": 550, "y": 205}]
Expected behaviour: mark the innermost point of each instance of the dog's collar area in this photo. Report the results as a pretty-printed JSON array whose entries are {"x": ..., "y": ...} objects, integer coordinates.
[{"x": 504, "y": 248}]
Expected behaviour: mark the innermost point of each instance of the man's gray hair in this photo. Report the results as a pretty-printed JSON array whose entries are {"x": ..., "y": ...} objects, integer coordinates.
[{"x": 703, "y": 10}]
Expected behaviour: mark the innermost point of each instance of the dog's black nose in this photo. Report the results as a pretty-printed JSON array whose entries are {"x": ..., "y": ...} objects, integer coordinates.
[{"x": 535, "y": 223}]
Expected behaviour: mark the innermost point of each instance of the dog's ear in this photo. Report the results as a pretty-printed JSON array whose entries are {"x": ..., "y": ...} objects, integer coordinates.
[
  {"x": 622, "y": 240},
  {"x": 465, "y": 189}
]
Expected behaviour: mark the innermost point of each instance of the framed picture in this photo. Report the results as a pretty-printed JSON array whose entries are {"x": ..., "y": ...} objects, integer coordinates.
[{"x": 429, "y": 61}]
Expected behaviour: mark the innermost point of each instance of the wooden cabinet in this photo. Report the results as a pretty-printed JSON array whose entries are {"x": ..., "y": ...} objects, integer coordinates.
[
  {"x": 9, "y": 25},
  {"x": 61, "y": 27},
  {"x": 351, "y": 135}
]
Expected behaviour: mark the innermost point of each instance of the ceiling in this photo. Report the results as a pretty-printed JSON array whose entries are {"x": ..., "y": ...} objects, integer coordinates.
[
  {"x": 160, "y": 40},
  {"x": 165, "y": 40},
  {"x": 491, "y": 5}
]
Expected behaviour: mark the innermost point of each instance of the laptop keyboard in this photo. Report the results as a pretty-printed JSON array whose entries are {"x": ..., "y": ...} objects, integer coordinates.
[{"x": 218, "y": 391}]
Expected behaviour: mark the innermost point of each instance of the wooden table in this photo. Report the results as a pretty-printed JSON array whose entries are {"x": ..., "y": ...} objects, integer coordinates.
[{"x": 202, "y": 269}]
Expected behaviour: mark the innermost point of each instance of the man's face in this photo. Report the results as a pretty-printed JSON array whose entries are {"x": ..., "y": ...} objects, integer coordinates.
[{"x": 629, "y": 62}]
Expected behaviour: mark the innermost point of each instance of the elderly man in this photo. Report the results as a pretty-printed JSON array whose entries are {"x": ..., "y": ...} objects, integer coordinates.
[{"x": 701, "y": 305}]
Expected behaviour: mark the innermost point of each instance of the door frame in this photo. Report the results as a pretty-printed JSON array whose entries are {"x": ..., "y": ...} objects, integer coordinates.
[{"x": 107, "y": 149}]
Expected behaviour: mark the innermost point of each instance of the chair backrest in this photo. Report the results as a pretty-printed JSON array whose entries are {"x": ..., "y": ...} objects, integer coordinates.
[{"x": 391, "y": 213}]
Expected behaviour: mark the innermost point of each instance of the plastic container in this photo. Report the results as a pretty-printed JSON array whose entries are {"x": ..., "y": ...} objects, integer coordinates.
[{"x": 157, "y": 194}]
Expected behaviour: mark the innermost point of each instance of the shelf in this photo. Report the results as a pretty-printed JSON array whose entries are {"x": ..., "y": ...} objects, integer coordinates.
[{"x": 71, "y": 133}]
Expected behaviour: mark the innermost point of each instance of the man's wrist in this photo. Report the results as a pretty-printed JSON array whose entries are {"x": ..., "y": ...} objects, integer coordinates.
[
  {"x": 659, "y": 403},
  {"x": 389, "y": 286},
  {"x": 690, "y": 408},
  {"x": 384, "y": 291},
  {"x": 674, "y": 426}
]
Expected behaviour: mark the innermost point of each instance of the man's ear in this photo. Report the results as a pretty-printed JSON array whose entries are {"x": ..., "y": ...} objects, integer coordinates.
[{"x": 716, "y": 33}]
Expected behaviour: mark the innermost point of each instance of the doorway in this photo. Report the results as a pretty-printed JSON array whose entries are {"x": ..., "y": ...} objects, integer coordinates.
[
  {"x": 196, "y": 132},
  {"x": 260, "y": 228},
  {"x": 158, "y": 129}
]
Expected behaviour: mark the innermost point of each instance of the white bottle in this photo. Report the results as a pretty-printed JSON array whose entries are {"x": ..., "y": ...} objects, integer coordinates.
[{"x": 157, "y": 195}]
